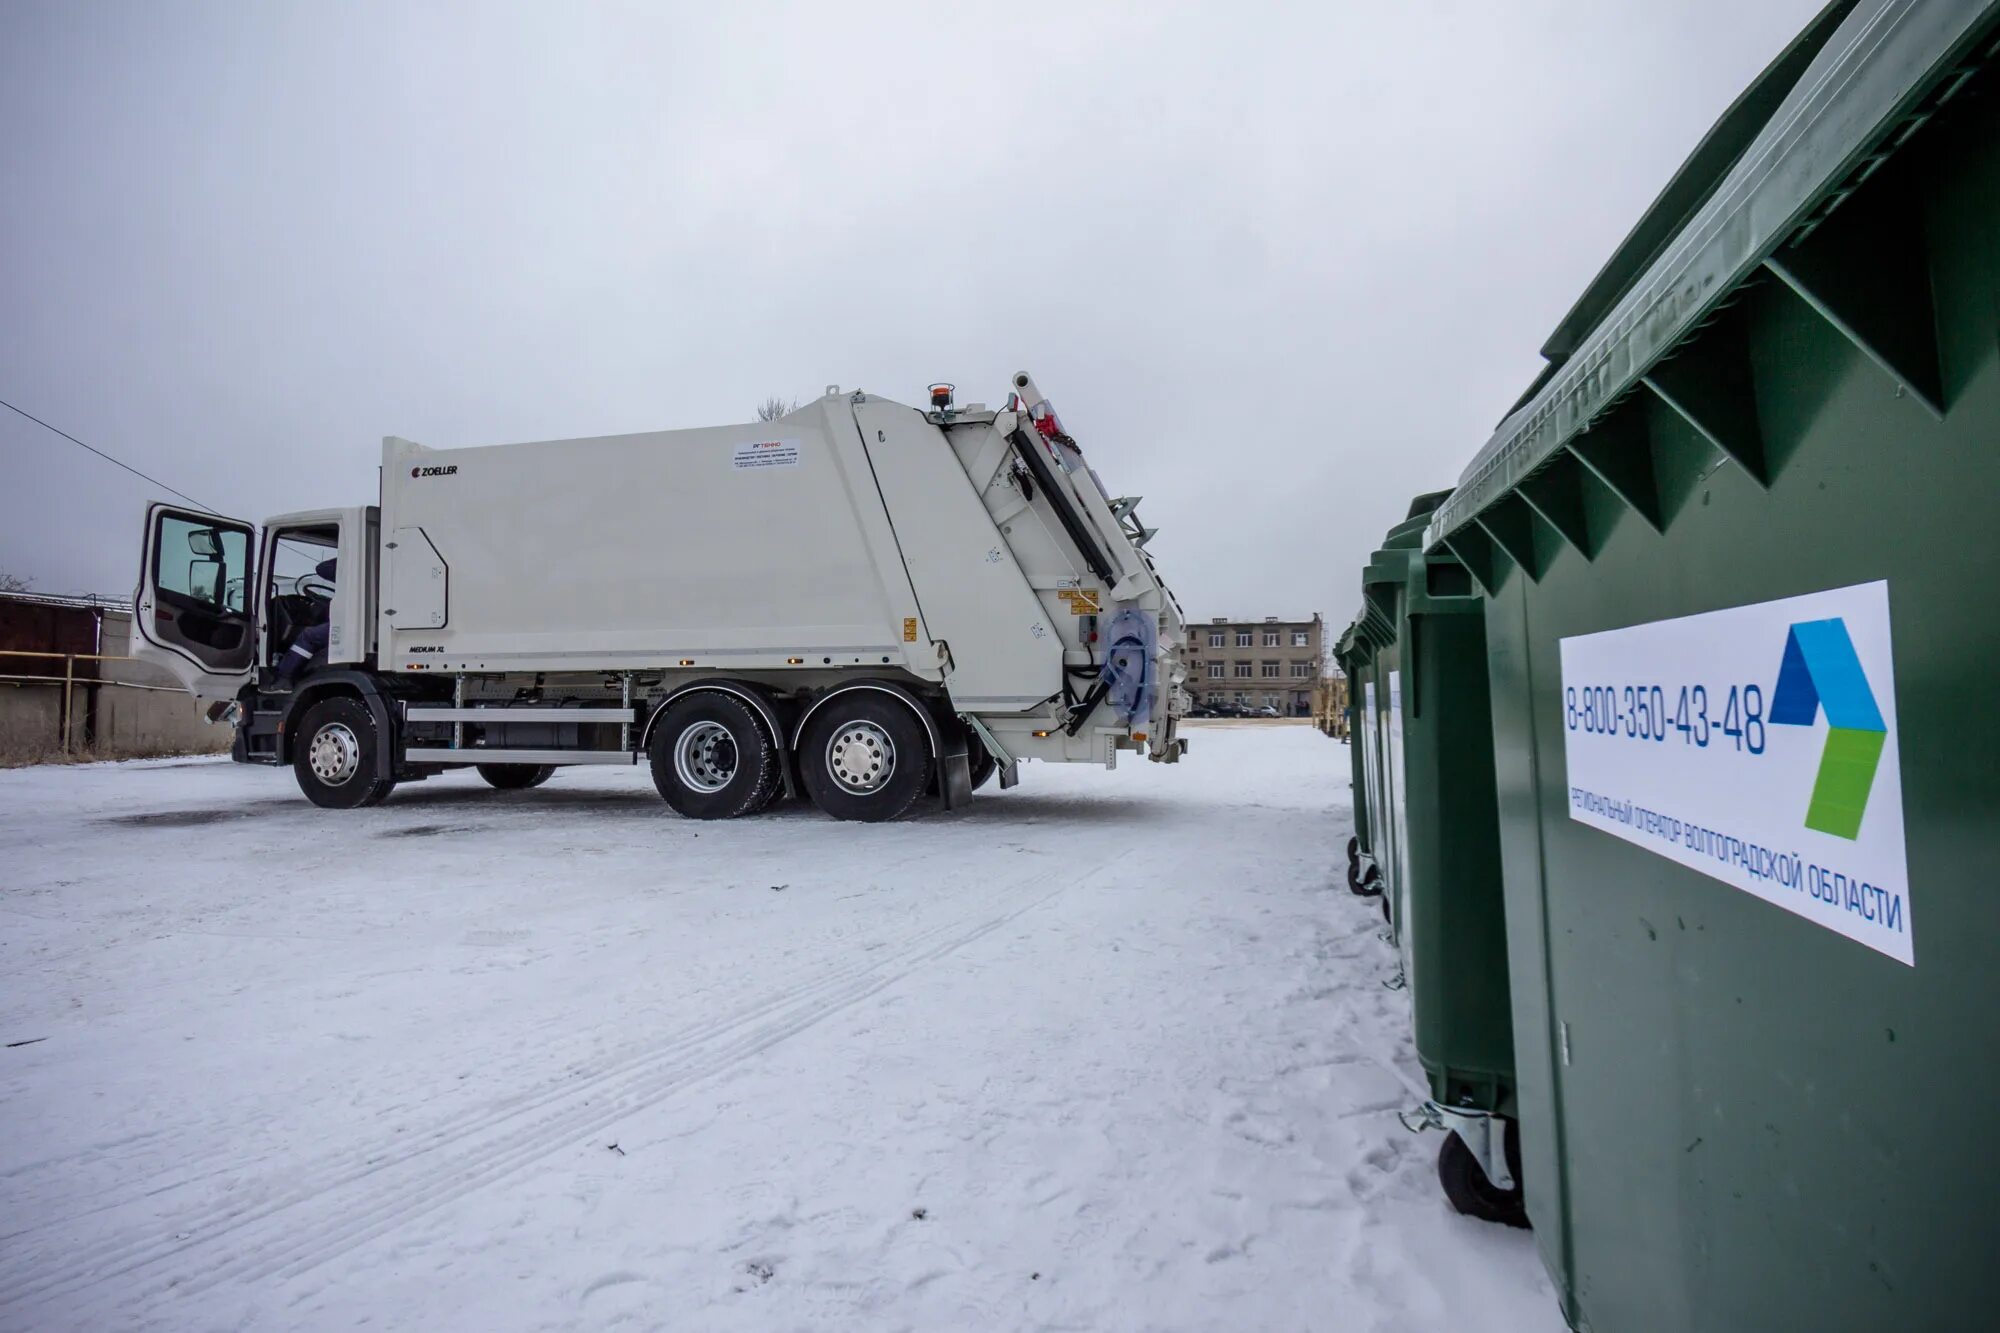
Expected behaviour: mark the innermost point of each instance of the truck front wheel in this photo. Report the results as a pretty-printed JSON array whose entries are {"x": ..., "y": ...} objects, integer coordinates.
[
  {"x": 334, "y": 755},
  {"x": 865, "y": 756},
  {"x": 711, "y": 758}
]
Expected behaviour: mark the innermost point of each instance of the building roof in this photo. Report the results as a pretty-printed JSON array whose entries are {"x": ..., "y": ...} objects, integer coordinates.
[
  {"x": 1257, "y": 620},
  {"x": 82, "y": 601}
]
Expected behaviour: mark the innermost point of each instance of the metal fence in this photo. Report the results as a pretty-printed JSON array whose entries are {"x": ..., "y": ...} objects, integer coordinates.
[{"x": 71, "y": 682}]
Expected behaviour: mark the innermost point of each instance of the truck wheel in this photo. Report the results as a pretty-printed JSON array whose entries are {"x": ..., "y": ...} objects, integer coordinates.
[
  {"x": 334, "y": 755},
  {"x": 777, "y": 796},
  {"x": 984, "y": 765},
  {"x": 865, "y": 756},
  {"x": 1468, "y": 1188},
  {"x": 711, "y": 758},
  {"x": 515, "y": 777}
]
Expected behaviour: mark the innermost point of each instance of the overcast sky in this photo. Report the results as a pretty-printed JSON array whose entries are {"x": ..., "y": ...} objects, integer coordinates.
[{"x": 1280, "y": 267}]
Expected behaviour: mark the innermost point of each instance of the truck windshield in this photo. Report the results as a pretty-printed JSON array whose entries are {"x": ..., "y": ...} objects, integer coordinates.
[{"x": 294, "y": 555}]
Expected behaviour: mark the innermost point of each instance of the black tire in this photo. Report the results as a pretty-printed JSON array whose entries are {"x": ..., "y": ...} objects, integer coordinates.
[
  {"x": 865, "y": 756},
  {"x": 515, "y": 777},
  {"x": 1468, "y": 1188},
  {"x": 984, "y": 765},
  {"x": 1367, "y": 885},
  {"x": 711, "y": 758},
  {"x": 1354, "y": 850},
  {"x": 334, "y": 755}
]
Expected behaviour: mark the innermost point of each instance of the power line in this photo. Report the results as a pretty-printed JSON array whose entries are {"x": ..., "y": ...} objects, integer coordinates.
[{"x": 106, "y": 457}]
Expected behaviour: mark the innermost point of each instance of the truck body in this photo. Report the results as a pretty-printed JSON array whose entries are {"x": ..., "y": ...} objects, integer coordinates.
[{"x": 861, "y": 600}]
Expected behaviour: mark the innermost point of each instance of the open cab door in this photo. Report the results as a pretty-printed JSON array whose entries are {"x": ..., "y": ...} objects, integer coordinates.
[{"x": 197, "y": 587}]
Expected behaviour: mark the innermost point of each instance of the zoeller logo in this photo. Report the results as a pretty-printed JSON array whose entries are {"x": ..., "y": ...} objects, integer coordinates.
[
  {"x": 1821, "y": 667},
  {"x": 451, "y": 471}
]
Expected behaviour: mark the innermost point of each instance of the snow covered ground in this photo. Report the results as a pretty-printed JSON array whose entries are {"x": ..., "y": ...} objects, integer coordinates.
[{"x": 1108, "y": 1051}]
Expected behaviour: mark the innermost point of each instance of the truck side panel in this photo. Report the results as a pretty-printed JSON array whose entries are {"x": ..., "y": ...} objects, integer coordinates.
[
  {"x": 739, "y": 545},
  {"x": 1006, "y": 650}
]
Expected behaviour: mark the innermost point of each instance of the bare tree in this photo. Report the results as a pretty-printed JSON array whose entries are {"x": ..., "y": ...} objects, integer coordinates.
[
  {"x": 12, "y": 582},
  {"x": 776, "y": 406}
]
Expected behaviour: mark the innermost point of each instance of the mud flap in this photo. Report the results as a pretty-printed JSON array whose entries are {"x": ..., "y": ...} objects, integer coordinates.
[{"x": 955, "y": 772}]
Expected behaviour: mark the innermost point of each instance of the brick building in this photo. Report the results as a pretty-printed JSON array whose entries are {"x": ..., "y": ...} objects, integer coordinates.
[{"x": 1256, "y": 663}]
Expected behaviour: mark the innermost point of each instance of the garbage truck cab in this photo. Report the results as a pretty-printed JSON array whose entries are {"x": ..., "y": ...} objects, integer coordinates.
[
  {"x": 202, "y": 615},
  {"x": 861, "y": 602}
]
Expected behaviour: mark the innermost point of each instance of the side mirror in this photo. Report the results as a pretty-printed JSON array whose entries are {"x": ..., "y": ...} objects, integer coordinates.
[
  {"x": 205, "y": 580},
  {"x": 204, "y": 542}
]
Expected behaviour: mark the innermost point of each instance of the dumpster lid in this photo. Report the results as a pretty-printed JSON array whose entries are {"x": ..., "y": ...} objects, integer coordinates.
[
  {"x": 1692, "y": 185},
  {"x": 1877, "y": 65}
]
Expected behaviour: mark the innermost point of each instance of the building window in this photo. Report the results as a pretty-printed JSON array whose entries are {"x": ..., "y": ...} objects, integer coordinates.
[
  {"x": 1301, "y": 668},
  {"x": 1242, "y": 698},
  {"x": 1215, "y": 671},
  {"x": 1242, "y": 670},
  {"x": 1270, "y": 638},
  {"x": 1270, "y": 671},
  {"x": 1274, "y": 700},
  {"x": 1301, "y": 638},
  {"x": 1243, "y": 638},
  {"x": 1215, "y": 638}
]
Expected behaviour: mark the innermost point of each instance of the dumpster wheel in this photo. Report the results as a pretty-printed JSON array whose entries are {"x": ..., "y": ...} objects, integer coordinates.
[{"x": 1471, "y": 1193}]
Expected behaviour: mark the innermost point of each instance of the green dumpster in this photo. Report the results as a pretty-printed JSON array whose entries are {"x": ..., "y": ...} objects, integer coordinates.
[
  {"x": 1351, "y": 651},
  {"x": 1424, "y": 797},
  {"x": 1455, "y": 927},
  {"x": 1738, "y": 545},
  {"x": 1378, "y": 687}
]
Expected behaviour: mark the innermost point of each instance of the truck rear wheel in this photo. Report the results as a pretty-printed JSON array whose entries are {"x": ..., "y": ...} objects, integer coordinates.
[
  {"x": 334, "y": 755},
  {"x": 981, "y": 760},
  {"x": 865, "y": 756},
  {"x": 515, "y": 777},
  {"x": 711, "y": 758}
]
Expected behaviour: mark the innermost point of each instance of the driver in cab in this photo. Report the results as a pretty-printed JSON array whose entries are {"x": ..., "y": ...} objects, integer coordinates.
[{"x": 312, "y": 640}]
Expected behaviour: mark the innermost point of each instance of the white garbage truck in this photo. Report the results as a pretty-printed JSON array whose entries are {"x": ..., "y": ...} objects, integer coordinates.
[{"x": 869, "y": 604}]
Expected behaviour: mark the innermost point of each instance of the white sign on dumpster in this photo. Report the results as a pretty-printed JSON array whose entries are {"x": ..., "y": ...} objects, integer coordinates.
[{"x": 1757, "y": 745}]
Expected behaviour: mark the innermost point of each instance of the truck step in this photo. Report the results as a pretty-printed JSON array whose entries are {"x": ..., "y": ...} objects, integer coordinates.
[
  {"x": 480, "y": 754},
  {"x": 504, "y": 713}
]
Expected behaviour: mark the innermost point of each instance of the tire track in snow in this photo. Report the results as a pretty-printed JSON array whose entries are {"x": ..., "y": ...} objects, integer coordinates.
[
  {"x": 481, "y": 1145},
  {"x": 127, "y": 1254}
]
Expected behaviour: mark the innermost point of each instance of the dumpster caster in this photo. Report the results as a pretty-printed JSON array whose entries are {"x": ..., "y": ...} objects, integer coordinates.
[
  {"x": 1469, "y": 1188},
  {"x": 1364, "y": 883}
]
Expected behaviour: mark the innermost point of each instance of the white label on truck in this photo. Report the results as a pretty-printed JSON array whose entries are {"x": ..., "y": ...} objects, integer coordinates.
[
  {"x": 766, "y": 453},
  {"x": 1757, "y": 745}
]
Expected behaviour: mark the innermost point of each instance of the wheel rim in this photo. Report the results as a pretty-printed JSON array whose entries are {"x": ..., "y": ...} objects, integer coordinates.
[
  {"x": 705, "y": 756},
  {"x": 860, "y": 757},
  {"x": 335, "y": 754}
]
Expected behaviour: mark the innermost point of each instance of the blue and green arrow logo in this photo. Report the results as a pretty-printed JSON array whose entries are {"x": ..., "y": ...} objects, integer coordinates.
[{"x": 1821, "y": 668}]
